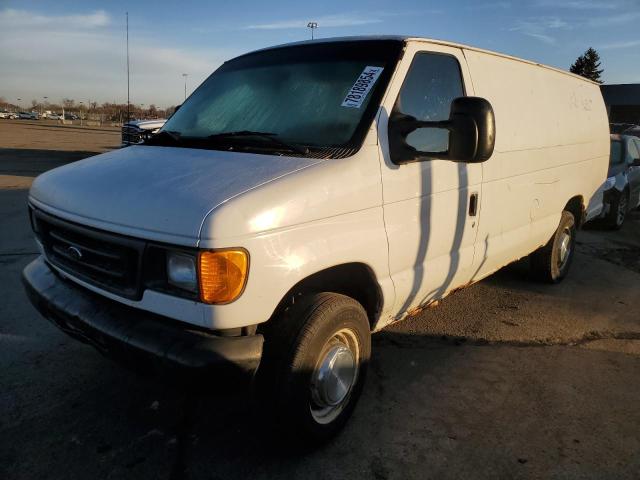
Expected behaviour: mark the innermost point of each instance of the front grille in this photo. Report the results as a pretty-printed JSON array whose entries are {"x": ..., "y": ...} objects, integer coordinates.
[
  {"x": 133, "y": 135},
  {"x": 109, "y": 261}
]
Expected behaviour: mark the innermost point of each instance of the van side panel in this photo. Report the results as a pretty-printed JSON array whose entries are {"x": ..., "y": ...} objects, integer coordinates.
[{"x": 552, "y": 144}]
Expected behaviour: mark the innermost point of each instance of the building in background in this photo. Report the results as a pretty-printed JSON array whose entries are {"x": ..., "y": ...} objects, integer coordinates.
[{"x": 623, "y": 102}]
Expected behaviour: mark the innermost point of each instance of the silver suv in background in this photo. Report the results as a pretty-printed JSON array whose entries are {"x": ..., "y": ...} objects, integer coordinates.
[
  {"x": 137, "y": 131},
  {"x": 621, "y": 190}
]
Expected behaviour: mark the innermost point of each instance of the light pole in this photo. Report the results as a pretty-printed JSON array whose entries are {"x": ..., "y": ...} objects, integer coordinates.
[
  {"x": 19, "y": 100},
  {"x": 80, "y": 107},
  {"x": 45, "y": 104},
  {"x": 312, "y": 26},
  {"x": 128, "y": 104},
  {"x": 185, "y": 75}
]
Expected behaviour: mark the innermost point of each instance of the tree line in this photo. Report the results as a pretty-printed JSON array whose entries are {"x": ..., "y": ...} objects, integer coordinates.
[{"x": 107, "y": 111}]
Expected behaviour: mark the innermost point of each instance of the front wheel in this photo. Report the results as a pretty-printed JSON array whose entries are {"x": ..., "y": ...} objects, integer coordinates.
[
  {"x": 314, "y": 366},
  {"x": 551, "y": 263}
]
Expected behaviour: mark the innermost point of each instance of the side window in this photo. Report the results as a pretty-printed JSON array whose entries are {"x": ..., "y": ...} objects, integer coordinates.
[
  {"x": 431, "y": 84},
  {"x": 633, "y": 153}
]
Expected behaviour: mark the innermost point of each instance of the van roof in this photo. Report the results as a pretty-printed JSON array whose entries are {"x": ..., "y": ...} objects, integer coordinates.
[{"x": 408, "y": 38}]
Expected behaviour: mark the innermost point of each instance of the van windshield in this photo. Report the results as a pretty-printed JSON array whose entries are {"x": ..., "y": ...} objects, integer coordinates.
[{"x": 320, "y": 96}]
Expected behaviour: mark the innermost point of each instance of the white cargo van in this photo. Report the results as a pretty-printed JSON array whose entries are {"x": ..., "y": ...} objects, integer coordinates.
[{"x": 307, "y": 195}]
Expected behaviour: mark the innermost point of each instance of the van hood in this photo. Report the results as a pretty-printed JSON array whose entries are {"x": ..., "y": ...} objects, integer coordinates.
[{"x": 158, "y": 193}]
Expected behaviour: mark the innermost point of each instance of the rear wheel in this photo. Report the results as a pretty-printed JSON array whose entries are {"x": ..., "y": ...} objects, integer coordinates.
[
  {"x": 618, "y": 211},
  {"x": 551, "y": 263},
  {"x": 314, "y": 365}
]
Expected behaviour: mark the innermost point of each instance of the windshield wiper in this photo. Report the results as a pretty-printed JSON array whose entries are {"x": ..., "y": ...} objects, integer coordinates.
[{"x": 266, "y": 135}]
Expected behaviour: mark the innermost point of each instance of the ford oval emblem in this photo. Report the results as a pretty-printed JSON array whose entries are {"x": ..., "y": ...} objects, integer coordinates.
[{"x": 74, "y": 253}]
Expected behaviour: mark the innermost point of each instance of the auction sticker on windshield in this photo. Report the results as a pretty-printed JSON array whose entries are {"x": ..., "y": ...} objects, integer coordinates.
[{"x": 361, "y": 88}]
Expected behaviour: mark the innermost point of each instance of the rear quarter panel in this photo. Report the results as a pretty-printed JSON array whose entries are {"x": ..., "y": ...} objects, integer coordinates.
[{"x": 552, "y": 144}]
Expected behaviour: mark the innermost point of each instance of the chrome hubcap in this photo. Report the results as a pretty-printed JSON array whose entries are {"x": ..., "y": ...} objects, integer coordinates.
[
  {"x": 334, "y": 376},
  {"x": 565, "y": 247}
]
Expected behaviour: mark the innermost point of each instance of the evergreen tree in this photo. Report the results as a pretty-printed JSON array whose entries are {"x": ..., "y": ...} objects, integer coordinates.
[{"x": 588, "y": 65}]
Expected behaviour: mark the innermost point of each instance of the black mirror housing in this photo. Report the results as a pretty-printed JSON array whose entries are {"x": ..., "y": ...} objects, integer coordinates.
[
  {"x": 481, "y": 113},
  {"x": 472, "y": 133}
]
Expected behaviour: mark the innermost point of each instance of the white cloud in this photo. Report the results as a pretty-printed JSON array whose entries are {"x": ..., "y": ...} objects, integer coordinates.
[
  {"x": 580, "y": 4},
  {"x": 11, "y": 18},
  {"x": 620, "y": 45},
  {"x": 88, "y": 61},
  {"x": 613, "y": 20},
  {"x": 540, "y": 28},
  {"x": 327, "y": 21},
  {"x": 490, "y": 6}
]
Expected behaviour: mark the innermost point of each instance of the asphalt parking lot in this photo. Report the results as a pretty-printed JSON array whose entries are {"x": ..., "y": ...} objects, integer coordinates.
[{"x": 506, "y": 379}]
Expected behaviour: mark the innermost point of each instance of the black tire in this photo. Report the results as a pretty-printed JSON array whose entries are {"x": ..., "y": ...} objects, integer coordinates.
[
  {"x": 548, "y": 263},
  {"x": 295, "y": 344},
  {"x": 618, "y": 211}
]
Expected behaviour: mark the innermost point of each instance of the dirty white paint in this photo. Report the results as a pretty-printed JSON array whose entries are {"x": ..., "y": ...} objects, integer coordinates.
[{"x": 298, "y": 216}]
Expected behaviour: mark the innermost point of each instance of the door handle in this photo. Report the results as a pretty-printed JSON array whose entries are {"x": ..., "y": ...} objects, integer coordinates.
[{"x": 473, "y": 204}]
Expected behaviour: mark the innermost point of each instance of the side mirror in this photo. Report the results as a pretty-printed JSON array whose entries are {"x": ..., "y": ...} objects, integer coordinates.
[{"x": 471, "y": 127}]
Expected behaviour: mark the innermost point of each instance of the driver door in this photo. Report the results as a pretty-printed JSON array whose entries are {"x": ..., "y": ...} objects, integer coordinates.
[{"x": 431, "y": 207}]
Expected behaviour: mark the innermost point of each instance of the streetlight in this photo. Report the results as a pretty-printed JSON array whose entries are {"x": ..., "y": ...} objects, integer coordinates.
[
  {"x": 185, "y": 75},
  {"x": 45, "y": 104},
  {"x": 312, "y": 26},
  {"x": 80, "y": 107},
  {"x": 19, "y": 100}
]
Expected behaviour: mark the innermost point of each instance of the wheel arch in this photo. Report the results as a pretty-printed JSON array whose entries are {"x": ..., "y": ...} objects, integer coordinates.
[
  {"x": 356, "y": 280},
  {"x": 577, "y": 208}
]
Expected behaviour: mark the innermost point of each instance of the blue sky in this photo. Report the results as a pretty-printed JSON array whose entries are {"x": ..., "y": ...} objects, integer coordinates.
[{"x": 76, "y": 49}]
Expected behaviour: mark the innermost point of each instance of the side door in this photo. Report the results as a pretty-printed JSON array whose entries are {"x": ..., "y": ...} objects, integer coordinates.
[{"x": 430, "y": 228}]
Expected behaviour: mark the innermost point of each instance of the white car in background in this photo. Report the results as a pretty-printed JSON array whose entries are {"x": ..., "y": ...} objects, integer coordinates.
[{"x": 137, "y": 131}]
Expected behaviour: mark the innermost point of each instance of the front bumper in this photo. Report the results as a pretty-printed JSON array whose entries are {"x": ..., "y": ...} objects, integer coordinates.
[{"x": 141, "y": 339}]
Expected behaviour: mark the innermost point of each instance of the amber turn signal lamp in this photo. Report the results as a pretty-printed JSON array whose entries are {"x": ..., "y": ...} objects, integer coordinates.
[{"x": 222, "y": 275}]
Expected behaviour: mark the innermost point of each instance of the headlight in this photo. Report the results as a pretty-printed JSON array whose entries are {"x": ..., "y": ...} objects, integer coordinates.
[
  {"x": 181, "y": 271},
  {"x": 609, "y": 183},
  {"x": 222, "y": 274}
]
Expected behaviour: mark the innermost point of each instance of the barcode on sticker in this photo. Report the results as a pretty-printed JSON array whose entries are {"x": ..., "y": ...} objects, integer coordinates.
[{"x": 361, "y": 88}]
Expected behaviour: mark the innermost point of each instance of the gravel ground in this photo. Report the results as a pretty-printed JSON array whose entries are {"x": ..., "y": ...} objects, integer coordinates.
[{"x": 505, "y": 379}]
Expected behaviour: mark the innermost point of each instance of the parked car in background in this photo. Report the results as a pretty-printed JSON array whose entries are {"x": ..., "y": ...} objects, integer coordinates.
[
  {"x": 634, "y": 131},
  {"x": 137, "y": 131},
  {"x": 54, "y": 116},
  {"x": 621, "y": 189},
  {"x": 28, "y": 115},
  {"x": 620, "y": 127},
  {"x": 6, "y": 114},
  {"x": 269, "y": 234},
  {"x": 71, "y": 116}
]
